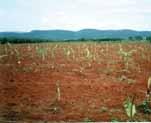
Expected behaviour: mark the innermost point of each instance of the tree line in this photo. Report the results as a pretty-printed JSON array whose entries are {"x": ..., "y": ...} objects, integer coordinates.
[{"x": 5, "y": 40}]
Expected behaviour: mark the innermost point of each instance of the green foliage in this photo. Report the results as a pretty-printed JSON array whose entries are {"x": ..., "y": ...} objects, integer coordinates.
[
  {"x": 126, "y": 56},
  {"x": 138, "y": 38},
  {"x": 108, "y": 39},
  {"x": 14, "y": 40},
  {"x": 135, "y": 38},
  {"x": 148, "y": 38},
  {"x": 21, "y": 40},
  {"x": 130, "y": 107},
  {"x": 131, "y": 38},
  {"x": 145, "y": 107}
]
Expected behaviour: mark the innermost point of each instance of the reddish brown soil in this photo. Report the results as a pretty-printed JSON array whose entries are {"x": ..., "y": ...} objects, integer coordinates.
[{"x": 92, "y": 88}]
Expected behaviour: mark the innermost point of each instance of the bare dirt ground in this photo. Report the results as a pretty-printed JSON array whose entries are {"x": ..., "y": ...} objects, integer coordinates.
[{"x": 94, "y": 80}]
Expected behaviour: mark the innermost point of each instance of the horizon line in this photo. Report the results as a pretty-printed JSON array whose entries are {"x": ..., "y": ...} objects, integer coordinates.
[{"x": 59, "y": 29}]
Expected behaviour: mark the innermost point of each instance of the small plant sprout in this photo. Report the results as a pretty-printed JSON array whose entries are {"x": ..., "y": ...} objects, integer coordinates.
[
  {"x": 58, "y": 93},
  {"x": 55, "y": 107},
  {"x": 144, "y": 107},
  {"x": 53, "y": 51},
  {"x": 42, "y": 52},
  {"x": 126, "y": 56},
  {"x": 89, "y": 55},
  {"x": 67, "y": 52},
  {"x": 130, "y": 107},
  {"x": 87, "y": 52},
  {"x": 149, "y": 89}
]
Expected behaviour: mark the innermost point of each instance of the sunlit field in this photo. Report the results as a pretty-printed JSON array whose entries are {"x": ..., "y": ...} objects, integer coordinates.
[{"x": 75, "y": 81}]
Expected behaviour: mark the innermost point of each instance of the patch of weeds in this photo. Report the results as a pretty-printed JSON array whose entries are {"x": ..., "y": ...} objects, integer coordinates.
[{"x": 145, "y": 107}]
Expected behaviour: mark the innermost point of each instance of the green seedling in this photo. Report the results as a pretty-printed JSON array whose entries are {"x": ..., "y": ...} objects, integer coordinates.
[
  {"x": 69, "y": 52},
  {"x": 149, "y": 83},
  {"x": 145, "y": 107},
  {"x": 130, "y": 107},
  {"x": 42, "y": 52},
  {"x": 58, "y": 92},
  {"x": 55, "y": 107},
  {"x": 148, "y": 96},
  {"x": 88, "y": 54},
  {"x": 126, "y": 56},
  {"x": 53, "y": 51}
]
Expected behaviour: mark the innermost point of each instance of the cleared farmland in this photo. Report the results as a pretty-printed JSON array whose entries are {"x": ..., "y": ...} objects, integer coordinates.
[{"x": 73, "y": 81}]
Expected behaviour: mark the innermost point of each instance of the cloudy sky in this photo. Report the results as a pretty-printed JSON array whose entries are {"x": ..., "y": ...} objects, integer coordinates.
[{"x": 26, "y": 15}]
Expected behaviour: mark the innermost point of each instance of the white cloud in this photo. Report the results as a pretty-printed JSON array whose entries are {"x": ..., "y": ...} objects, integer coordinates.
[{"x": 75, "y": 14}]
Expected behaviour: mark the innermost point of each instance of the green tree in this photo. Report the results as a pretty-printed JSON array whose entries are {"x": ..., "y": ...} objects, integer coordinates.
[
  {"x": 138, "y": 38},
  {"x": 148, "y": 38},
  {"x": 130, "y": 38}
]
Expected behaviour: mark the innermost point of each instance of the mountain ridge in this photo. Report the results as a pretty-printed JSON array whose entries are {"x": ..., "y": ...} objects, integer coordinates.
[{"x": 59, "y": 34}]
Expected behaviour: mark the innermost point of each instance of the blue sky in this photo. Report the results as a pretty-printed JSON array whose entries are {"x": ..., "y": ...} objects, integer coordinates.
[{"x": 26, "y": 15}]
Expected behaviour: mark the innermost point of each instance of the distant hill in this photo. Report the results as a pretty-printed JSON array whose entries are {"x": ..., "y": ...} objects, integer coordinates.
[{"x": 67, "y": 35}]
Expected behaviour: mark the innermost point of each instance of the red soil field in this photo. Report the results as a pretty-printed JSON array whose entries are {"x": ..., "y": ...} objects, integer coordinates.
[{"x": 94, "y": 80}]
